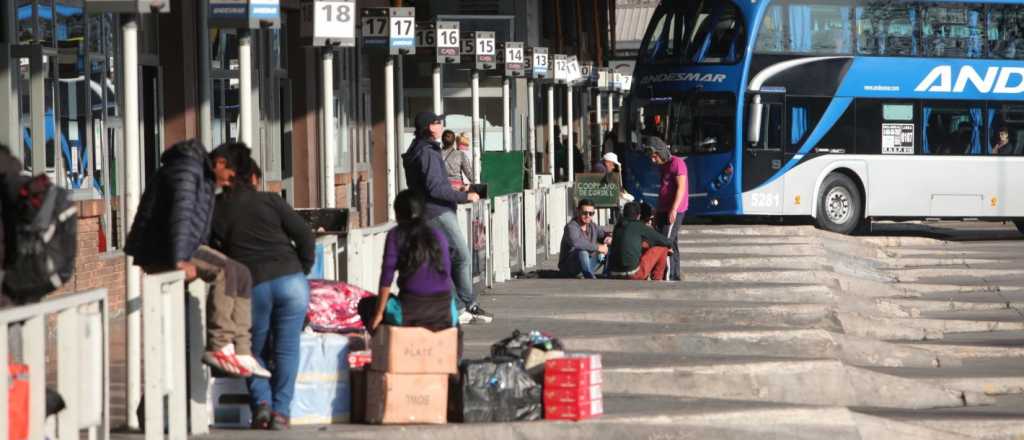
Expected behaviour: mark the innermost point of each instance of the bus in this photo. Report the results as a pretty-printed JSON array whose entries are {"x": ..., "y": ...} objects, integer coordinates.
[{"x": 846, "y": 111}]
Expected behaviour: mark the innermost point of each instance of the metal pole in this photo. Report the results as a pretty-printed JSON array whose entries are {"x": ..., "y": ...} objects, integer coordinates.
[
  {"x": 205, "y": 79},
  {"x": 329, "y": 137},
  {"x": 399, "y": 123},
  {"x": 551, "y": 130},
  {"x": 389, "y": 132},
  {"x": 611, "y": 111},
  {"x": 478, "y": 147},
  {"x": 506, "y": 120},
  {"x": 569, "y": 148},
  {"x": 531, "y": 132},
  {"x": 245, "y": 124},
  {"x": 438, "y": 105},
  {"x": 132, "y": 190},
  {"x": 600, "y": 122}
]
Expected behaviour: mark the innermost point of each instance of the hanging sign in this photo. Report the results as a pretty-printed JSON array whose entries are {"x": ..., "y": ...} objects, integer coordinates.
[
  {"x": 480, "y": 50},
  {"x": 513, "y": 57},
  {"x": 537, "y": 62},
  {"x": 447, "y": 42},
  {"x": 561, "y": 68},
  {"x": 245, "y": 14},
  {"x": 128, "y": 6},
  {"x": 329, "y": 23},
  {"x": 393, "y": 29}
]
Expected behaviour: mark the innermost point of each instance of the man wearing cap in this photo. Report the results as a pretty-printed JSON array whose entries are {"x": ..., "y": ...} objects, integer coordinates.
[
  {"x": 673, "y": 197},
  {"x": 425, "y": 173},
  {"x": 609, "y": 163}
]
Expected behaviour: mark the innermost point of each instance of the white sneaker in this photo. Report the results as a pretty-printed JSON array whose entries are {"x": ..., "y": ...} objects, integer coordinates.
[
  {"x": 465, "y": 317},
  {"x": 251, "y": 364}
]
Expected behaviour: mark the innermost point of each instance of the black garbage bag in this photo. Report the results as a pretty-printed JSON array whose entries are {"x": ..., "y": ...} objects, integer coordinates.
[
  {"x": 498, "y": 389},
  {"x": 519, "y": 344}
]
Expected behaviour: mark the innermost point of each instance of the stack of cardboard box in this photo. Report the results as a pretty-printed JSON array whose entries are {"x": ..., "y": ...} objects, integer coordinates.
[
  {"x": 408, "y": 378},
  {"x": 572, "y": 387}
]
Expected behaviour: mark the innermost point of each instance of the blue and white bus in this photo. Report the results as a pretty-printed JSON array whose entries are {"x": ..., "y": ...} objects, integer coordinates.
[{"x": 842, "y": 110}]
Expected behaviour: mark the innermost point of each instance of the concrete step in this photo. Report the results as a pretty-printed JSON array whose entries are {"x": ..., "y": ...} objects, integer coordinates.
[
  {"x": 780, "y": 249},
  {"x": 988, "y": 376},
  {"x": 810, "y": 382},
  {"x": 793, "y": 293},
  {"x": 973, "y": 274},
  {"x": 740, "y": 315},
  {"x": 922, "y": 328},
  {"x": 1002, "y": 420},
  {"x": 805, "y": 343},
  {"x": 695, "y": 262}
]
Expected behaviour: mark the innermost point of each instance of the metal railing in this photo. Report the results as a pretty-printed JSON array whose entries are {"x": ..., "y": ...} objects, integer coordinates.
[{"x": 83, "y": 363}]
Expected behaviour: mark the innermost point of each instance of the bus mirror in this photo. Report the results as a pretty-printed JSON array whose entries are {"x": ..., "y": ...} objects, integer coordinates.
[{"x": 754, "y": 120}]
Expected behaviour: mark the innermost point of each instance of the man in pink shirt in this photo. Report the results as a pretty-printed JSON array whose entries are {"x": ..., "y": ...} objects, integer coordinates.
[{"x": 673, "y": 198}]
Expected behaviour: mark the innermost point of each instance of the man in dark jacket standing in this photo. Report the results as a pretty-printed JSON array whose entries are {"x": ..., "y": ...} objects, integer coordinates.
[
  {"x": 171, "y": 230},
  {"x": 425, "y": 172}
]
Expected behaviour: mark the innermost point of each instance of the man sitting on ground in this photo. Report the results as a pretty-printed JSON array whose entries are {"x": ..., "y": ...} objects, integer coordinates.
[
  {"x": 584, "y": 243},
  {"x": 628, "y": 258}
]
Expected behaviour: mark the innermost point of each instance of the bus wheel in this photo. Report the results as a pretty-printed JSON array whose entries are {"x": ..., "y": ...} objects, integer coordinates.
[{"x": 839, "y": 205}]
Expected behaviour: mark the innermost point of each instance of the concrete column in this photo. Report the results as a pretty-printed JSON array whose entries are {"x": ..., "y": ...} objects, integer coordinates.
[{"x": 132, "y": 194}]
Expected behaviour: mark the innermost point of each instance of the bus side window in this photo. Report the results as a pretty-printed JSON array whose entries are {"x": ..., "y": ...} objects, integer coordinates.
[
  {"x": 771, "y": 127},
  {"x": 1006, "y": 130}
]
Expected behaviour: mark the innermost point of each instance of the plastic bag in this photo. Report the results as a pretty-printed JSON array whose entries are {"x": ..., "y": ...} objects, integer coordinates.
[
  {"x": 333, "y": 306},
  {"x": 499, "y": 390},
  {"x": 519, "y": 344}
]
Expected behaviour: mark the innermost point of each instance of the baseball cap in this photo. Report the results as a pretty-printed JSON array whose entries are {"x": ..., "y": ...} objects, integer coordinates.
[{"x": 424, "y": 119}]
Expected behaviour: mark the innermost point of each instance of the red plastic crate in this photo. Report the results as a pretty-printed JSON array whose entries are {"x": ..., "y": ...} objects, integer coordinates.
[
  {"x": 573, "y": 363},
  {"x": 574, "y": 411},
  {"x": 556, "y": 396}
]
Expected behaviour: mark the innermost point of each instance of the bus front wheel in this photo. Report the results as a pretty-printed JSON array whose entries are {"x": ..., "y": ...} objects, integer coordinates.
[{"x": 839, "y": 205}]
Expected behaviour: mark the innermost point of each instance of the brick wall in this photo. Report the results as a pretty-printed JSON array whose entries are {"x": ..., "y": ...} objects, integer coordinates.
[{"x": 92, "y": 268}]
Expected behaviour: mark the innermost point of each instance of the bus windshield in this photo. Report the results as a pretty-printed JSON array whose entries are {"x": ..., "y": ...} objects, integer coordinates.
[
  {"x": 693, "y": 123},
  {"x": 703, "y": 32}
]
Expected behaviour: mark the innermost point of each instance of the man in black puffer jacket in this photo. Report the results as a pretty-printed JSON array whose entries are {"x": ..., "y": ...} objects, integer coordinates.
[{"x": 171, "y": 230}]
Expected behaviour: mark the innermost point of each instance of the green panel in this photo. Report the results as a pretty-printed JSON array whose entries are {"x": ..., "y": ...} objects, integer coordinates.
[
  {"x": 601, "y": 189},
  {"x": 502, "y": 172}
]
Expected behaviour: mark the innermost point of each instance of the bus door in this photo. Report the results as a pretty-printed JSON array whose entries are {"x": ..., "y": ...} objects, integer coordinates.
[{"x": 764, "y": 153}]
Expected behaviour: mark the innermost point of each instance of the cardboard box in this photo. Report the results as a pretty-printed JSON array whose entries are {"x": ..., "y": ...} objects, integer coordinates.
[
  {"x": 415, "y": 350},
  {"x": 573, "y": 363},
  {"x": 574, "y": 411},
  {"x": 571, "y": 380},
  {"x": 572, "y": 395},
  {"x": 393, "y": 398}
]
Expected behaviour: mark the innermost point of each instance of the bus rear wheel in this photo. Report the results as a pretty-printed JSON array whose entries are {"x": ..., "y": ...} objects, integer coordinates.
[{"x": 840, "y": 207}]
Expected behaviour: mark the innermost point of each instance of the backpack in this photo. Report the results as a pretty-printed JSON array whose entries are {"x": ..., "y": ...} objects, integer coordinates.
[{"x": 45, "y": 240}]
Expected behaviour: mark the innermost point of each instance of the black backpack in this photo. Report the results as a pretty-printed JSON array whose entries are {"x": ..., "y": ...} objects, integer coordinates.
[{"x": 45, "y": 240}]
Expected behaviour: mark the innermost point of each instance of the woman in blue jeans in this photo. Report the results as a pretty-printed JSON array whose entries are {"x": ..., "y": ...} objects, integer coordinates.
[{"x": 260, "y": 230}]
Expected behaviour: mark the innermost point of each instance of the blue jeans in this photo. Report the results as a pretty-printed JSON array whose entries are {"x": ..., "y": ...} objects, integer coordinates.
[
  {"x": 278, "y": 312},
  {"x": 587, "y": 263},
  {"x": 462, "y": 264}
]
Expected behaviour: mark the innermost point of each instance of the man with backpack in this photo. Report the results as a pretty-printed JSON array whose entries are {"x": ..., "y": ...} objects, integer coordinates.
[{"x": 171, "y": 230}]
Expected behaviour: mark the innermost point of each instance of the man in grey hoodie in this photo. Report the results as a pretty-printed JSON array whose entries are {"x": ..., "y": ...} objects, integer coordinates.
[{"x": 426, "y": 174}]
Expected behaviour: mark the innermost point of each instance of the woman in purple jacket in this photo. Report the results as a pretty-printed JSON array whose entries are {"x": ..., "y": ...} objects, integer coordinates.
[{"x": 419, "y": 253}]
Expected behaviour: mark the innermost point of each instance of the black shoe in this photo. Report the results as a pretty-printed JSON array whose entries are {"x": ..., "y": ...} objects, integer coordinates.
[
  {"x": 262, "y": 417},
  {"x": 480, "y": 316}
]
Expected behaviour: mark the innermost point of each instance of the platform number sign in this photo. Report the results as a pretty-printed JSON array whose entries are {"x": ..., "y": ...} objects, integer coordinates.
[
  {"x": 329, "y": 22},
  {"x": 402, "y": 30},
  {"x": 375, "y": 27},
  {"x": 513, "y": 54},
  {"x": 485, "y": 46},
  {"x": 538, "y": 62},
  {"x": 574, "y": 69},
  {"x": 561, "y": 68},
  {"x": 426, "y": 36},
  {"x": 468, "y": 46},
  {"x": 448, "y": 37}
]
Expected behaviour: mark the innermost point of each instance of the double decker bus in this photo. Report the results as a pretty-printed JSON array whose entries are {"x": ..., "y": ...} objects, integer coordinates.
[{"x": 841, "y": 110}]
